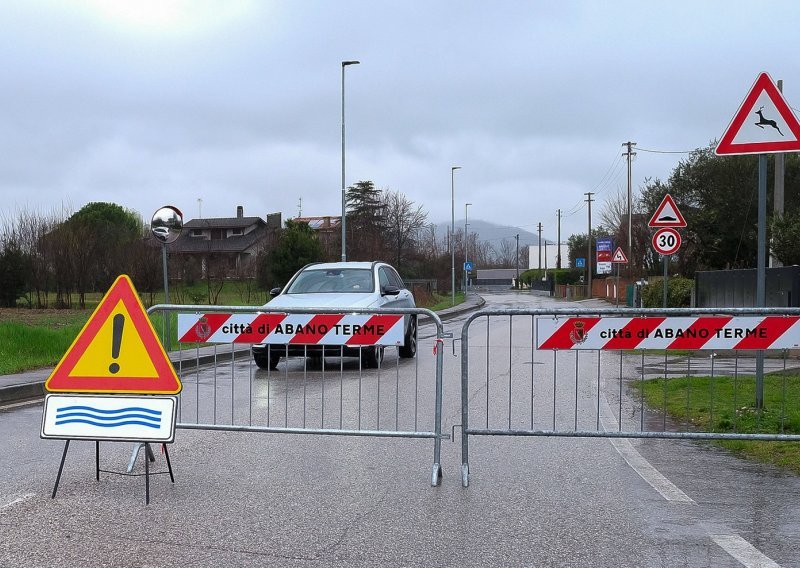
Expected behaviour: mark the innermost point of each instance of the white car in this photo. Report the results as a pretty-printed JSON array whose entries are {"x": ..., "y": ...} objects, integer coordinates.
[{"x": 338, "y": 286}]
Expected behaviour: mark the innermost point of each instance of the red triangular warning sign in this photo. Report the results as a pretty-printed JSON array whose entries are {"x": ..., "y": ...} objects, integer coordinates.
[
  {"x": 667, "y": 214},
  {"x": 763, "y": 124},
  {"x": 619, "y": 256},
  {"x": 117, "y": 351}
]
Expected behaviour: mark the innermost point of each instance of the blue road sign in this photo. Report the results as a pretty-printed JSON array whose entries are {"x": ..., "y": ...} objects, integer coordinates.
[
  {"x": 580, "y": 263},
  {"x": 468, "y": 266}
]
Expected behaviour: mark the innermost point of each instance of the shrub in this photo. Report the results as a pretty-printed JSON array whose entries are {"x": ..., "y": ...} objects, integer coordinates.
[
  {"x": 14, "y": 271},
  {"x": 679, "y": 293}
]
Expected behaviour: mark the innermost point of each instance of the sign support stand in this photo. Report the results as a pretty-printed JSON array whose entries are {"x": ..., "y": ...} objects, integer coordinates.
[
  {"x": 148, "y": 457},
  {"x": 761, "y": 274}
]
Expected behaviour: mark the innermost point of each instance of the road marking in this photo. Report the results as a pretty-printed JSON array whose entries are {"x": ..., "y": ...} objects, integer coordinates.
[
  {"x": 20, "y": 499},
  {"x": 747, "y": 554},
  {"x": 743, "y": 551},
  {"x": 637, "y": 462},
  {"x": 10, "y": 405},
  {"x": 650, "y": 474}
]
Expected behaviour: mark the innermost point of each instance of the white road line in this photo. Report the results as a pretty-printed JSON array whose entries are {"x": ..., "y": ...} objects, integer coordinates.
[
  {"x": 20, "y": 499},
  {"x": 650, "y": 474},
  {"x": 31, "y": 402},
  {"x": 645, "y": 469},
  {"x": 747, "y": 554},
  {"x": 743, "y": 551}
]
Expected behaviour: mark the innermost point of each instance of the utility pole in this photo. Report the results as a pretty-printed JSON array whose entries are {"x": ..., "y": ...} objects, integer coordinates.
[
  {"x": 778, "y": 196},
  {"x": 558, "y": 244},
  {"x": 588, "y": 195},
  {"x": 539, "y": 230},
  {"x": 545, "y": 255},
  {"x": 629, "y": 154},
  {"x": 517, "y": 237}
]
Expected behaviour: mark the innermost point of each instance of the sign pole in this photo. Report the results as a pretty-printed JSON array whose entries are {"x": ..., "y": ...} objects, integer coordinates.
[
  {"x": 761, "y": 270},
  {"x": 166, "y": 294},
  {"x": 665, "y": 259}
]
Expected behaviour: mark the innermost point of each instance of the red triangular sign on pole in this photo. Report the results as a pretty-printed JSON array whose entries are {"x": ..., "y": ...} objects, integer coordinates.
[
  {"x": 667, "y": 214},
  {"x": 117, "y": 351},
  {"x": 763, "y": 124},
  {"x": 619, "y": 256}
]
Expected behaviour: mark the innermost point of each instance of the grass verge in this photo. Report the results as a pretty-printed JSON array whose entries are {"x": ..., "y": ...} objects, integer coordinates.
[
  {"x": 727, "y": 404},
  {"x": 440, "y": 302}
]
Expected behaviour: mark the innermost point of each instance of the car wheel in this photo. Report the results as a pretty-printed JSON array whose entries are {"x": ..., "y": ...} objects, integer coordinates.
[
  {"x": 265, "y": 361},
  {"x": 371, "y": 357},
  {"x": 409, "y": 348}
]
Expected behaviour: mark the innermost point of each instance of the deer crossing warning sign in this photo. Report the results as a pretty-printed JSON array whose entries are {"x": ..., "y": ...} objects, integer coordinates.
[
  {"x": 117, "y": 351},
  {"x": 763, "y": 124}
]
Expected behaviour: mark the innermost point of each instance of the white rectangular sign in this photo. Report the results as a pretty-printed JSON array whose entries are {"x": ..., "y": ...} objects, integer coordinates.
[{"x": 109, "y": 417}]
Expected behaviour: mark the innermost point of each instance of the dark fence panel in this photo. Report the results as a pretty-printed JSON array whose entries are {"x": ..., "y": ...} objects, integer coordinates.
[{"x": 737, "y": 288}]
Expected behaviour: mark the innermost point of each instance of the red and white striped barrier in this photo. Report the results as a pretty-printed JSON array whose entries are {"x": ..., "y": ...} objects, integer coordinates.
[
  {"x": 670, "y": 333},
  {"x": 292, "y": 329}
]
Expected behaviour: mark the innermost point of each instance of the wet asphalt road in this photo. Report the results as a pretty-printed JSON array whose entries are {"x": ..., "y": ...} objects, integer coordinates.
[{"x": 254, "y": 499}]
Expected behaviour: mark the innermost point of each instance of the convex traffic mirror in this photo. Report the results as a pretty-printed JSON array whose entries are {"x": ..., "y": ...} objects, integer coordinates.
[{"x": 167, "y": 224}]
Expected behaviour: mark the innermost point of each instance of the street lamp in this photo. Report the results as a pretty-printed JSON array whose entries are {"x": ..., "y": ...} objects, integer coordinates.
[
  {"x": 466, "y": 242},
  {"x": 452, "y": 235},
  {"x": 344, "y": 219}
]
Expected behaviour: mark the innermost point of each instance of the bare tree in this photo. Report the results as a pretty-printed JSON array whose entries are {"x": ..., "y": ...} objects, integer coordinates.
[
  {"x": 507, "y": 255},
  {"x": 614, "y": 213}
]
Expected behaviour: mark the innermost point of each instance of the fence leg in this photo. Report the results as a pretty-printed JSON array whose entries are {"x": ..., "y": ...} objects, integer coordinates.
[
  {"x": 436, "y": 474},
  {"x": 465, "y": 406}
]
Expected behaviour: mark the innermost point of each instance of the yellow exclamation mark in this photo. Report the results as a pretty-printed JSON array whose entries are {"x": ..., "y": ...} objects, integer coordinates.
[{"x": 116, "y": 341}]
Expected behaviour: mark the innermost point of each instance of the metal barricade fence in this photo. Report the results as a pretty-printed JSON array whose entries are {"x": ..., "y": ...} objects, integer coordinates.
[
  {"x": 631, "y": 373},
  {"x": 308, "y": 395}
]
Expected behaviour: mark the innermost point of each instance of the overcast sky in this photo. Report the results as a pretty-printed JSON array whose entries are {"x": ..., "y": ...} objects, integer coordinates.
[{"x": 237, "y": 102}]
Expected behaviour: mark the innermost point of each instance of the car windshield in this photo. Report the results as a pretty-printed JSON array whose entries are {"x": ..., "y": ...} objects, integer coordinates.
[{"x": 358, "y": 280}]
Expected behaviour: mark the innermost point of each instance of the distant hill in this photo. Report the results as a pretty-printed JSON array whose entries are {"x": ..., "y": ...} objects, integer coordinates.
[{"x": 492, "y": 232}]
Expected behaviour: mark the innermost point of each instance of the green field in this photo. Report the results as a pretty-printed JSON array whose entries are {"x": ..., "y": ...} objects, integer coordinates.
[{"x": 727, "y": 404}]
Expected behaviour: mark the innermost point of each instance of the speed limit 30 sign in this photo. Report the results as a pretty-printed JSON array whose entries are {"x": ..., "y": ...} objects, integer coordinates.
[{"x": 667, "y": 241}]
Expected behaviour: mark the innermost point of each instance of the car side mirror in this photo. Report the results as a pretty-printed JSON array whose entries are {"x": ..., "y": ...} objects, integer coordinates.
[
  {"x": 389, "y": 290},
  {"x": 275, "y": 291}
]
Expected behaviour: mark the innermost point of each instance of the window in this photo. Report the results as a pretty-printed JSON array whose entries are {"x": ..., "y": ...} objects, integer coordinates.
[
  {"x": 395, "y": 279},
  {"x": 236, "y": 232},
  {"x": 313, "y": 281},
  {"x": 197, "y": 232},
  {"x": 383, "y": 277}
]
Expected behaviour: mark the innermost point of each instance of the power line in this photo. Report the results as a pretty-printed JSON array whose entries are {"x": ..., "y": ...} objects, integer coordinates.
[{"x": 665, "y": 151}]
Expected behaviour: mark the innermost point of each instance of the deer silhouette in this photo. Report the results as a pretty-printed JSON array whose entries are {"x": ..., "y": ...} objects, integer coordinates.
[{"x": 763, "y": 121}]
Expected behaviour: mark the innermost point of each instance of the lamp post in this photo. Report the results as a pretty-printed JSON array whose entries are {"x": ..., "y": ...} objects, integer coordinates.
[
  {"x": 452, "y": 234},
  {"x": 344, "y": 219},
  {"x": 466, "y": 244}
]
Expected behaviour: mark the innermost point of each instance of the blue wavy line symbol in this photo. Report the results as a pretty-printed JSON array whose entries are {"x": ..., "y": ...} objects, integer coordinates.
[{"x": 109, "y": 418}]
